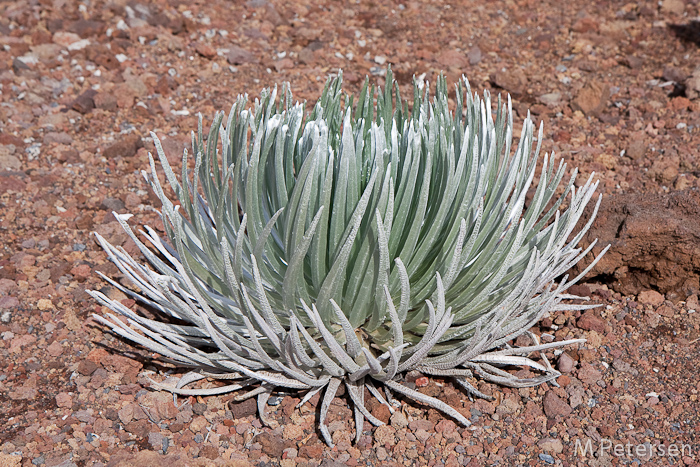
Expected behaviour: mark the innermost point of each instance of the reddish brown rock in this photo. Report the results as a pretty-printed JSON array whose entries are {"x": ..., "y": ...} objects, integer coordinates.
[
  {"x": 81, "y": 272},
  {"x": 272, "y": 445},
  {"x": 512, "y": 80},
  {"x": 139, "y": 428},
  {"x": 382, "y": 412},
  {"x": 692, "y": 85},
  {"x": 565, "y": 363},
  {"x": 452, "y": 58},
  {"x": 85, "y": 102},
  {"x": 592, "y": 98},
  {"x": 311, "y": 450},
  {"x": 205, "y": 50},
  {"x": 239, "y": 56},
  {"x": 637, "y": 146},
  {"x": 105, "y": 101},
  {"x": 650, "y": 297},
  {"x": 87, "y": 367},
  {"x": 655, "y": 242},
  {"x": 64, "y": 400},
  {"x": 555, "y": 405},
  {"x": 590, "y": 321},
  {"x": 209, "y": 452},
  {"x": 588, "y": 374},
  {"x": 243, "y": 409},
  {"x": 124, "y": 146}
]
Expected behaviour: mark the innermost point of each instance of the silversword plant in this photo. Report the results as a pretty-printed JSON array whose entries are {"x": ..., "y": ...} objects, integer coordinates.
[{"x": 351, "y": 244}]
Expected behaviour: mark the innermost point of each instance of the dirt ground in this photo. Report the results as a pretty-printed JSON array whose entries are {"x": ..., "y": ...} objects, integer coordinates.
[{"x": 83, "y": 83}]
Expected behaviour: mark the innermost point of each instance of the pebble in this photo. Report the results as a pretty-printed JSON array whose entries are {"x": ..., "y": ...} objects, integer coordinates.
[
  {"x": 474, "y": 55},
  {"x": 512, "y": 80},
  {"x": 650, "y": 297},
  {"x": 589, "y": 321},
  {"x": 398, "y": 420},
  {"x": 239, "y": 56},
  {"x": 555, "y": 405},
  {"x": 550, "y": 99},
  {"x": 592, "y": 98}
]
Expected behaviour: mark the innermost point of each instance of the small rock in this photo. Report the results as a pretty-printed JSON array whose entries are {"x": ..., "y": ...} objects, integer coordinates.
[
  {"x": 243, "y": 409},
  {"x": 422, "y": 382},
  {"x": 112, "y": 204},
  {"x": 12, "y": 181},
  {"x": 284, "y": 64},
  {"x": 239, "y": 56},
  {"x": 588, "y": 374},
  {"x": 551, "y": 99},
  {"x": 81, "y": 272},
  {"x": 633, "y": 62},
  {"x": 672, "y": 73},
  {"x": 199, "y": 408},
  {"x": 514, "y": 81},
  {"x": 205, "y": 50},
  {"x": 124, "y": 146},
  {"x": 137, "y": 87},
  {"x": 650, "y": 297},
  {"x": 474, "y": 55},
  {"x": 555, "y": 405},
  {"x": 9, "y": 162},
  {"x": 165, "y": 407},
  {"x": 60, "y": 138},
  {"x": 547, "y": 458},
  {"x": 692, "y": 302},
  {"x": 292, "y": 431},
  {"x": 399, "y": 420},
  {"x": 452, "y": 58},
  {"x": 566, "y": 364},
  {"x": 589, "y": 321},
  {"x": 551, "y": 445},
  {"x": 636, "y": 148},
  {"x": 7, "y": 303},
  {"x": 210, "y": 452},
  {"x": 312, "y": 450},
  {"x": 676, "y": 7},
  {"x": 592, "y": 98},
  {"x": 55, "y": 349},
  {"x": 272, "y": 445},
  {"x": 85, "y": 102},
  {"x": 692, "y": 85},
  {"x": 19, "y": 65},
  {"x": 139, "y": 428},
  {"x": 10, "y": 460},
  {"x": 155, "y": 439},
  {"x": 87, "y": 28},
  {"x": 64, "y": 400},
  {"x": 382, "y": 412},
  {"x": 132, "y": 200},
  {"x": 87, "y": 367},
  {"x": 65, "y": 39},
  {"x": 421, "y": 424},
  {"x": 105, "y": 101},
  {"x": 586, "y": 24}
]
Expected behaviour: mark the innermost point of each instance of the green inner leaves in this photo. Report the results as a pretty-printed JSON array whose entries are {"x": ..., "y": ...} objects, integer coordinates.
[{"x": 334, "y": 198}]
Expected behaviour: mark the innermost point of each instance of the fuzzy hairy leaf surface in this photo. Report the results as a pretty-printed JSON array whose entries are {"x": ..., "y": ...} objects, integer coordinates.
[{"x": 353, "y": 242}]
